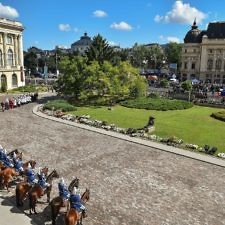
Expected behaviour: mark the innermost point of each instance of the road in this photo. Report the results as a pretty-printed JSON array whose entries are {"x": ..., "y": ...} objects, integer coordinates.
[{"x": 130, "y": 184}]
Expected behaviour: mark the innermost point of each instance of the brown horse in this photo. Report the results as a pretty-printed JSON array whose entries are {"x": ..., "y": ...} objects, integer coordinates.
[
  {"x": 6, "y": 176},
  {"x": 22, "y": 189},
  {"x": 58, "y": 202},
  {"x": 36, "y": 191},
  {"x": 73, "y": 217}
]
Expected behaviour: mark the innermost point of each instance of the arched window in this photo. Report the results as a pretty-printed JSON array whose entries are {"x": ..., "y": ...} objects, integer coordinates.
[
  {"x": 1, "y": 60},
  {"x": 218, "y": 64},
  {"x": 14, "y": 80},
  {"x": 210, "y": 64},
  {"x": 10, "y": 57},
  {"x": 3, "y": 80}
]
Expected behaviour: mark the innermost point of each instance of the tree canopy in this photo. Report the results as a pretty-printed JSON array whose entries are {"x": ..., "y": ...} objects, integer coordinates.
[{"x": 99, "y": 80}]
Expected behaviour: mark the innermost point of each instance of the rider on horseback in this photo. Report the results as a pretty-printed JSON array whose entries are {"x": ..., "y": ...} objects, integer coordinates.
[
  {"x": 17, "y": 163},
  {"x": 31, "y": 176},
  {"x": 63, "y": 190},
  {"x": 75, "y": 202},
  {"x": 42, "y": 179},
  {"x": 5, "y": 159}
]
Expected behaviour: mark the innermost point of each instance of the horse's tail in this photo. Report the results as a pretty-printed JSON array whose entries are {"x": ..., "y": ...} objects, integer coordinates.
[{"x": 17, "y": 197}]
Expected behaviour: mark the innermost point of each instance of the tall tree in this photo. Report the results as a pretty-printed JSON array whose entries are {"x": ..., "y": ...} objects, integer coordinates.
[
  {"x": 99, "y": 50},
  {"x": 173, "y": 53}
]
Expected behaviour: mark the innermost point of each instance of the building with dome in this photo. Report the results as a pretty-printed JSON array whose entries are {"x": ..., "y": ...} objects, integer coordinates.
[
  {"x": 203, "y": 54},
  {"x": 82, "y": 44},
  {"x": 11, "y": 54}
]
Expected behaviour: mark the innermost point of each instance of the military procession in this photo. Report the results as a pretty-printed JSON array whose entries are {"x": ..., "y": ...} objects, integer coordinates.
[{"x": 32, "y": 183}]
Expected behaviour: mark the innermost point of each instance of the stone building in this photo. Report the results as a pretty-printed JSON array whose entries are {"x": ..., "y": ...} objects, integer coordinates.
[
  {"x": 11, "y": 54},
  {"x": 81, "y": 45},
  {"x": 203, "y": 54}
]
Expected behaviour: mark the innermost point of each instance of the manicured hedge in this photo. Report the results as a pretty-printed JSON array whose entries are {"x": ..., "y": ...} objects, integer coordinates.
[
  {"x": 219, "y": 115},
  {"x": 59, "y": 105},
  {"x": 156, "y": 104}
]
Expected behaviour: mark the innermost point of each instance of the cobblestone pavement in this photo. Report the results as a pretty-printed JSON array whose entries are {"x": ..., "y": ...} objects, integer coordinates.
[{"x": 129, "y": 183}]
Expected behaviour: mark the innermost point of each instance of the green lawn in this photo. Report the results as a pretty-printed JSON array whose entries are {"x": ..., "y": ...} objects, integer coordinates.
[{"x": 193, "y": 125}]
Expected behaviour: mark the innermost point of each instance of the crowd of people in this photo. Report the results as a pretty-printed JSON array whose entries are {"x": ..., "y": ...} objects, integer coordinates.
[
  {"x": 17, "y": 101},
  {"x": 39, "y": 178}
]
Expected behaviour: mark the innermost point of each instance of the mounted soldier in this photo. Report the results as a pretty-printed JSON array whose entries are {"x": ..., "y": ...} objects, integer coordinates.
[
  {"x": 42, "y": 179},
  {"x": 63, "y": 190},
  {"x": 6, "y": 159},
  {"x": 31, "y": 176},
  {"x": 18, "y": 165},
  {"x": 75, "y": 202}
]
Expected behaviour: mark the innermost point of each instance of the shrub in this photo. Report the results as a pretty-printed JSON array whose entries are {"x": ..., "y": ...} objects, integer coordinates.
[
  {"x": 59, "y": 105},
  {"x": 219, "y": 115},
  {"x": 3, "y": 87},
  {"x": 153, "y": 95},
  {"x": 156, "y": 104}
]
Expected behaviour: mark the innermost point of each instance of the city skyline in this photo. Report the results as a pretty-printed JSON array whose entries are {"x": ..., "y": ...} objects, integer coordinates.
[{"x": 50, "y": 23}]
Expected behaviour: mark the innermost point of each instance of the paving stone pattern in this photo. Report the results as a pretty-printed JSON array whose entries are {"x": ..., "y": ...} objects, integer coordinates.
[{"x": 130, "y": 184}]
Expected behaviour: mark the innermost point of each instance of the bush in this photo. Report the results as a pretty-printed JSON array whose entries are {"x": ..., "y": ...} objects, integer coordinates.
[
  {"x": 59, "y": 105},
  {"x": 219, "y": 115},
  {"x": 153, "y": 95},
  {"x": 156, "y": 104}
]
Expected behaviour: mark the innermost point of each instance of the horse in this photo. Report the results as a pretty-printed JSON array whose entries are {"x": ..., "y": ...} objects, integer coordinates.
[
  {"x": 36, "y": 191},
  {"x": 6, "y": 176},
  {"x": 72, "y": 216},
  {"x": 18, "y": 154},
  {"x": 57, "y": 203},
  {"x": 23, "y": 188}
]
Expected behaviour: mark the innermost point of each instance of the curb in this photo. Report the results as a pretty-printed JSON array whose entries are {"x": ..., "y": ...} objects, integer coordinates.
[{"x": 148, "y": 143}]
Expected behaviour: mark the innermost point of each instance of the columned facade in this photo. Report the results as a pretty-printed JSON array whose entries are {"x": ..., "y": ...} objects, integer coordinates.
[
  {"x": 11, "y": 54},
  {"x": 203, "y": 54}
]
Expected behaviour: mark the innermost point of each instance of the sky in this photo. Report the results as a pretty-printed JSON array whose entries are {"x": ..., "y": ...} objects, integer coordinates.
[{"x": 121, "y": 22}]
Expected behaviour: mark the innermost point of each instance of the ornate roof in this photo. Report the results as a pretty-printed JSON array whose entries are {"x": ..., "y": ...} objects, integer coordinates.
[
  {"x": 193, "y": 35},
  {"x": 84, "y": 41},
  {"x": 216, "y": 30}
]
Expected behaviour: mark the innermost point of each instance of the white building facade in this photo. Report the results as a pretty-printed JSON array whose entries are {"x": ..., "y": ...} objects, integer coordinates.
[
  {"x": 11, "y": 54},
  {"x": 203, "y": 54}
]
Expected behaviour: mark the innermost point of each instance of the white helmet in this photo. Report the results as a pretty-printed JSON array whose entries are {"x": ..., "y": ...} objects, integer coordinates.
[
  {"x": 14, "y": 155},
  {"x": 39, "y": 170},
  {"x": 5, "y": 151},
  {"x": 1, "y": 147},
  {"x": 29, "y": 166},
  {"x": 61, "y": 180}
]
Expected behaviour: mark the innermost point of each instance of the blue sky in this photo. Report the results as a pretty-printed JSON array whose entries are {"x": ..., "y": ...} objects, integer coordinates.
[{"x": 122, "y": 22}]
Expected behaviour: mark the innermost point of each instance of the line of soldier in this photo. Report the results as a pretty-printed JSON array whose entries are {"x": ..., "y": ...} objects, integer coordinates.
[{"x": 33, "y": 178}]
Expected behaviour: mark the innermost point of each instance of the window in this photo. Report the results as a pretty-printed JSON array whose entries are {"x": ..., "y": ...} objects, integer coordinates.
[
  {"x": 185, "y": 65},
  {"x": 185, "y": 50},
  {"x": 1, "y": 60},
  {"x": 193, "y": 66},
  {"x": 3, "y": 80},
  {"x": 218, "y": 64},
  {"x": 210, "y": 64},
  {"x": 14, "y": 80},
  {"x": 9, "y": 40},
  {"x": 0, "y": 38},
  {"x": 10, "y": 57}
]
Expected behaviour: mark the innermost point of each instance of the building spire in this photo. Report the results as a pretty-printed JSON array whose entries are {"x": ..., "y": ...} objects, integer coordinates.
[{"x": 194, "y": 26}]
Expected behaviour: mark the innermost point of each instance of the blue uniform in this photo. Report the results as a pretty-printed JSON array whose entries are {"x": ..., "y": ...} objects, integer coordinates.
[
  {"x": 42, "y": 181},
  {"x": 63, "y": 191},
  {"x": 31, "y": 177},
  {"x": 6, "y": 161},
  {"x": 18, "y": 164},
  {"x": 75, "y": 202}
]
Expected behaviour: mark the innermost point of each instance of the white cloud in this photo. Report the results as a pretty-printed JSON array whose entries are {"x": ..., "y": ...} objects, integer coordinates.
[
  {"x": 121, "y": 26},
  {"x": 64, "y": 27},
  {"x": 99, "y": 13},
  {"x": 8, "y": 12},
  {"x": 173, "y": 39},
  {"x": 169, "y": 39},
  {"x": 112, "y": 43},
  {"x": 181, "y": 13}
]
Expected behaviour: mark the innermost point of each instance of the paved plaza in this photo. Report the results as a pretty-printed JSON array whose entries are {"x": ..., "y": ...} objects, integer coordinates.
[{"x": 130, "y": 184}]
